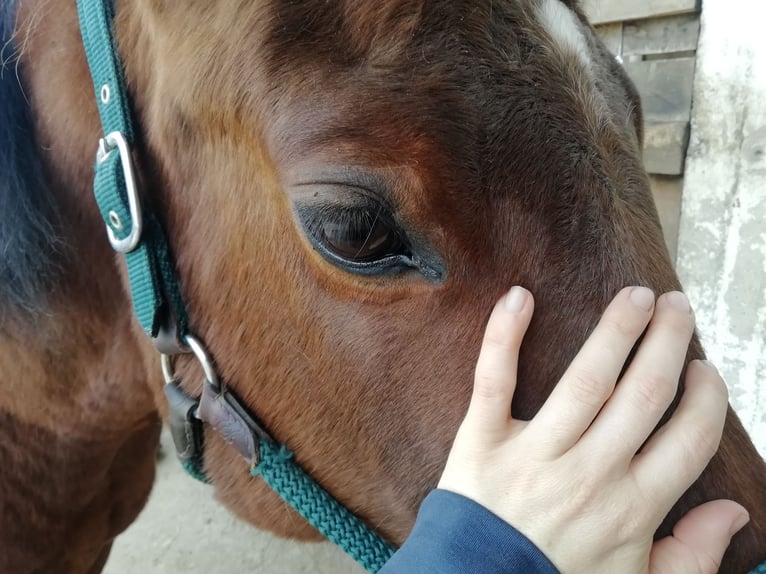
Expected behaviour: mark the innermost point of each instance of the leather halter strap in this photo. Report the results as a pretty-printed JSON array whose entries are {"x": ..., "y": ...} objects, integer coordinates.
[{"x": 160, "y": 310}]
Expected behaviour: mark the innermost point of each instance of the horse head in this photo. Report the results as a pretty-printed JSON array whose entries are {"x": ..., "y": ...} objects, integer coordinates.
[{"x": 347, "y": 188}]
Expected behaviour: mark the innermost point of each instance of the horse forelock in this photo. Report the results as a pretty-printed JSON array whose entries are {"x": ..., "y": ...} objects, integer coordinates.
[{"x": 28, "y": 234}]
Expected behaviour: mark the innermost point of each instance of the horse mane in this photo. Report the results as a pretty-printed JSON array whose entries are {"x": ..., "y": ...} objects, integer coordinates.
[{"x": 28, "y": 217}]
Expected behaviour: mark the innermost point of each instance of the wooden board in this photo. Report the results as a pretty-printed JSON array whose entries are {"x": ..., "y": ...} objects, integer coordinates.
[
  {"x": 665, "y": 147},
  {"x": 665, "y": 87},
  {"x": 603, "y": 11},
  {"x": 667, "y": 193},
  {"x": 657, "y": 40},
  {"x": 673, "y": 35},
  {"x": 611, "y": 36}
]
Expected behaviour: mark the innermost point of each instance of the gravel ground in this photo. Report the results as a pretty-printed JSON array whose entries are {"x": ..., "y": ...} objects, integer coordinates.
[{"x": 183, "y": 530}]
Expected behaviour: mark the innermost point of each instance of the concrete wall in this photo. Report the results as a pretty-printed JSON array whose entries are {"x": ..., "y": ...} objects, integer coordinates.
[{"x": 722, "y": 237}]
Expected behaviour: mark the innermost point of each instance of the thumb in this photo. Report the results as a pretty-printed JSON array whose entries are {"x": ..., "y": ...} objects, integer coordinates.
[{"x": 699, "y": 539}]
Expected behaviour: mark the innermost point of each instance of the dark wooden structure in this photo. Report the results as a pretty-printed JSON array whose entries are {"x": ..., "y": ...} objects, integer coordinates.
[{"x": 657, "y": 41}]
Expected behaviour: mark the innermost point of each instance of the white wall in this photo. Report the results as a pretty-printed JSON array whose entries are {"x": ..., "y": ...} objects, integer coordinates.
[{"x": 722, "y": 242}]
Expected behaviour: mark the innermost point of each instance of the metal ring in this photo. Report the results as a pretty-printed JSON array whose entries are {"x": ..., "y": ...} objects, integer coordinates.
[
  {"x": 203, "y": 359},
  {"x": 105, "y": 147},
  {"x": 167, "y": 368}
]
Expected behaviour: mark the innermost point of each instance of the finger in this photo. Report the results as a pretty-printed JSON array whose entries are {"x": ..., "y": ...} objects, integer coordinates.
[
  {"x": 590, "y": 379},
  {"x": 648, "y": 386},
  {"x": 689, "y": 439},
  {"x": 699, "y": 540},
  {"x": 495, "y": 379}
]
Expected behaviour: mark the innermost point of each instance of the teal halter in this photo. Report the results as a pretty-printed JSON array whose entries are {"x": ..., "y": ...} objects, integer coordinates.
[{"x": 160, "y": 310}]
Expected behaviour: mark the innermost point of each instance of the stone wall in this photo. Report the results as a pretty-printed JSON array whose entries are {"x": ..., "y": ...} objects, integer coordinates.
[{"x": 722, "y": 242}]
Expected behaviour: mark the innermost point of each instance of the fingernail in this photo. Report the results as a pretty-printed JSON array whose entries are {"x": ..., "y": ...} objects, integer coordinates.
[
  {"x": 515, "y": 300},
  {"x": 642, "y": 297},
  {"x": 679, "y": 301},
  {"x": 739, "y": 524}
]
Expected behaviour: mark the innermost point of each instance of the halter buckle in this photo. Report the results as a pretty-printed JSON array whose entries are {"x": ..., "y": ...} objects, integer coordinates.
[
  {"x": 106, "y": 145},
  {"x": 199, "y": 351}
]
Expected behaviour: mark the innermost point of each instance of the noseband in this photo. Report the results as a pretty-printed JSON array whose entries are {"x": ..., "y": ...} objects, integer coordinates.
[{"x": 159, "y": 307}]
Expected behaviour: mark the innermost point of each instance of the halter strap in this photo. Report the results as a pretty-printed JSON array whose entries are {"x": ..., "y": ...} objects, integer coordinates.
[
  {"x": 131, "y": 231},
  {"x": 160, "y": 310}
]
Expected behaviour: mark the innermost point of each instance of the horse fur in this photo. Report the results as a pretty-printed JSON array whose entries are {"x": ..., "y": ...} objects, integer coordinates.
[
  {"x": 504, "y": 159},
  {"x": 29, "y": 234}
]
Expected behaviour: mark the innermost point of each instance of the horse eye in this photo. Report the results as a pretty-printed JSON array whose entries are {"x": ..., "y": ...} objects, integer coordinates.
[
  {"x": 356, "y": 234},
  {"x": 360, "y": 238}
]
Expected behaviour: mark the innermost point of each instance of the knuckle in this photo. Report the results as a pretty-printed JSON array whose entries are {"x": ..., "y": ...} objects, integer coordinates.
[
  {"x": 487, "y": 386},
  {"x": 499, "y": 338},
  {"x": 654, "y": 391},
  {"x": 587, "y": 389},
  {"x": 678, "y": 323},
  {"x": 629, "y": 523},
  {"x": 702, "y": 442},
  {"x": 682, "y": 327},
  {"x": 622, "y": 327},
  {"x": 589, "y": 490}
]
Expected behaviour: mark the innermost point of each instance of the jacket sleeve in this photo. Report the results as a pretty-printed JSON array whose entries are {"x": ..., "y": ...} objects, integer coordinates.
[{"x": 455, "y": 535}]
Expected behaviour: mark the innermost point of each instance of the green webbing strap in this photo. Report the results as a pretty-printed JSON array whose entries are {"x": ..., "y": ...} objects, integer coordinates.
[
  {"x": 148, "y": 281},
  {"x": 105, "y": 69},
  {"x": 195, "y": 469},
  {"x": 109, "y": 188},
  {"x": 760, "y": 569},
  {"x": 319, "y": 508}
]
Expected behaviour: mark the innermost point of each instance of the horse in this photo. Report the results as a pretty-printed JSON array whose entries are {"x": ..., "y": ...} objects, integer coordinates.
[{"x": 346, "y": 188}]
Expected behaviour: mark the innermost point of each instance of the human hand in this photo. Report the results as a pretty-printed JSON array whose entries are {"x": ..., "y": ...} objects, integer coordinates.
[{"x": 571, "y": 479}]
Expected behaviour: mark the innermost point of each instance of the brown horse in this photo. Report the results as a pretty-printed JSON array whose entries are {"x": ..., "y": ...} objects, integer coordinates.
[{"x": 347, "y": 188}]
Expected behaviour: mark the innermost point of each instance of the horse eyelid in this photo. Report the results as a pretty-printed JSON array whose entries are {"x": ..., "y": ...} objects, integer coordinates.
[{"x": 342, "y": 193}]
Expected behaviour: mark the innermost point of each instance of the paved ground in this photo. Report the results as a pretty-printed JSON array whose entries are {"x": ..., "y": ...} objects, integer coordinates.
[{"x": 183, "y": 530}]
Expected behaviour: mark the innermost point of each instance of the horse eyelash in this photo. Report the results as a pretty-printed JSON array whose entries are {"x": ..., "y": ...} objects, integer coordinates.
[{"x": 315, "y": 217}]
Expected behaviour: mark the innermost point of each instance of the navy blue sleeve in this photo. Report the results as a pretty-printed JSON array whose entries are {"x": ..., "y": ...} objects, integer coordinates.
[{"x": 455, "y": 535}]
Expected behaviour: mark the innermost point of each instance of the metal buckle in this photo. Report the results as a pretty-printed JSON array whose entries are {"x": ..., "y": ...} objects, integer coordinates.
[
  {"x": 183, "y": 410},
  {"x": 202, "y": 357},
  {"x": 106, "y": 145},
  {"x": 217, "y": 407}
]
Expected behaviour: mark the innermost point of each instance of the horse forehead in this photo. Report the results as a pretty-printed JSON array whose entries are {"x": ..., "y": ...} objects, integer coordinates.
[
  {"x": 402, "y": 47},
  {"x": 356, "y": 30}
]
